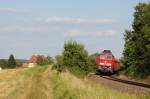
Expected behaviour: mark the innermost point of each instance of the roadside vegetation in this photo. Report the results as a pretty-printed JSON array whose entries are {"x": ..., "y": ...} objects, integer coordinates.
[
  {"x": 41, "y": 82},
  {"x": 136, "y": 58},
  {"x": 42, "y": 60},
  {"x": 25, "y": 83},
  {"x": 11, "y": 62},
  {"x": 75, "y": 59},
  {"x": 67, "y": 86}
]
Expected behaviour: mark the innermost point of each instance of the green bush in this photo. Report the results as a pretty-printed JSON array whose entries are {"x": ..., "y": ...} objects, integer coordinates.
[
  {"x": 59, "y": 63},
  {"x": 92, "y": 62},
  {"x": 42, "y": 60},
  {"x": 75, "y": 59},
  {"x": 3, "y": 63},
  {"x": 49, "y": 60}
]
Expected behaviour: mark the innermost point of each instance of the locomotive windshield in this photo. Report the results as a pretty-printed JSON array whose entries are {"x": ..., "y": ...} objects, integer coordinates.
[
  {"x": 109, "y": 57},
  {"x": 102, "y": 57}
]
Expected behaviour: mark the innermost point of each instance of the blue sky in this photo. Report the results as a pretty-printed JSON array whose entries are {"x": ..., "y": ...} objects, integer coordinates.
[{"x": 42, "y": 26}]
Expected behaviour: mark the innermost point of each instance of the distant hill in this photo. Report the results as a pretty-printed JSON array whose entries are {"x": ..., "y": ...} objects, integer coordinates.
[
  {"x": 18, "y": 60},
  {"x": 22, "y": 60}
]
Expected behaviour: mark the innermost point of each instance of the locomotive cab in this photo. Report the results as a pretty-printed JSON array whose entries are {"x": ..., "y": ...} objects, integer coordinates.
[{"x": 107, "y": 62}]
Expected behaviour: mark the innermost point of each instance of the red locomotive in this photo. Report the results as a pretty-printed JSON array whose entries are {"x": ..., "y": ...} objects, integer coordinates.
[{"x": 107, "y": 62}]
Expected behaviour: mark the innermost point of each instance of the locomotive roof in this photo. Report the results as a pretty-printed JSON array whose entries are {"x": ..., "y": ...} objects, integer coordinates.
[
  {"x": 106, "y": 54},
  {"x": 107, "y": 51}
]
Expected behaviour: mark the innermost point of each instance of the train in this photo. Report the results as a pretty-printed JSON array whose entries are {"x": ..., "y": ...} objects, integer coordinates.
[{"x": 107, "y": 63}]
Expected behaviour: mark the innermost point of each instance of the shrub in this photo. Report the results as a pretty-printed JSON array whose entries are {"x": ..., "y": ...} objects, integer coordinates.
[
  {"x": 11, "y": 61},
  {"x": 59, "y": 63},
  {"x": 49, "y": 60},
  {"x": 41, "y": 60},
  {"x": 75, "y": 59},
  {"x": 3, "y": 63}
]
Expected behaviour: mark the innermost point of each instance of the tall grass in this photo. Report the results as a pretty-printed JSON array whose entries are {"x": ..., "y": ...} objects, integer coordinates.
[
  {"x": 44, "y": 83},
  {"x": 38, "y": 86},
  {"x": 67, "y": 86},
  {"x": 10, "y": 80},
  {"x": 27, "y": 84}
]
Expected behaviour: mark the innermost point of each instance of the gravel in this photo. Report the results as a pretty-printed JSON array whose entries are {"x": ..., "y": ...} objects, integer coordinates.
[{"x": 122, "y": 87}]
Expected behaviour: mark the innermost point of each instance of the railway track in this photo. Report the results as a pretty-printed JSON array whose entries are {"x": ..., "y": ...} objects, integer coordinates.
[{"x": 127, "y": 81}]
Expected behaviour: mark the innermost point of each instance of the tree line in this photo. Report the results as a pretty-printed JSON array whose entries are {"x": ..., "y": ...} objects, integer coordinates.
[
  {"x": 136, "y": 53},
  {"x": 41, "y": 60},
  {"x": 10, "y": 63}
]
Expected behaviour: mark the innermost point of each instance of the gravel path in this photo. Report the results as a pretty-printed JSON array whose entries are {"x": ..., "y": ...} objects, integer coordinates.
[{"x": 131, "y": 89}]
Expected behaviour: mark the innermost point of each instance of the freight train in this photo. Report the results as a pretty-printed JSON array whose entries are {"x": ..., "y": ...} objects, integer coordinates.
[{"x": 107, "y": 63}]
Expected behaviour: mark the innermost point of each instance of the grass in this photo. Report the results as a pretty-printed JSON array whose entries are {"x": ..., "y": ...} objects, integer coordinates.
[
  {"x": 9, "y": 80},
  {"x": 24, "y": 83},
  {"x": 67, "y": 86},
  {"x": 39, "y": 86},
  {"x": 43, "y": 83}
]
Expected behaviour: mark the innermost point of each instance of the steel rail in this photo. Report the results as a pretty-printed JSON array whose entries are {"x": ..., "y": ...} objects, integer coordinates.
[{"x": 126, "y": 81}]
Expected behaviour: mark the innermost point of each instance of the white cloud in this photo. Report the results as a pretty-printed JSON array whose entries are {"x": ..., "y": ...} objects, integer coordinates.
[
  {"x": 68, "y": 20},
  {"x": 7, "y": 29},
  {"x": 73, "y": 33},
  {"x": 65, "y": 20},
  {"x": 69, "y": 32},
  {"x": 104, "y": 21},
  {"x": 100, "y": 33},
  {"x": 8, "y": 10},
  {"x": 15, "y": 28},
  {"x": 105, "y": 33},
  {"x": 26, "y": 29}
]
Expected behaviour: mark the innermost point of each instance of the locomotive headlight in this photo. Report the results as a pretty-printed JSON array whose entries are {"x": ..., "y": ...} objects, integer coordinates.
[
  {"x": 108, "y": 64},
  {"x": 101, "y": 63}
]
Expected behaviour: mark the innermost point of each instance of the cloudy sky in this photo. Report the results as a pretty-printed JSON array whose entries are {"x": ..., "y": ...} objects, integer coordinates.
[{"x": 42, "y": 26}]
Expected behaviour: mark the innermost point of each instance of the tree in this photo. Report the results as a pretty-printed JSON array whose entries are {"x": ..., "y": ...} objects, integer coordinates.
[
  {"x": 75, "y": 57},
  {"x": 41, "y": 60},
  {"x": 92, "y": 62},
  {"x": 12, "y": 61},
  {"x": 3, "y": 63},
  {"x": 50, "y": 60},
  {"x": 59, "y": 63},
  {"x": 137, "y": 43}
]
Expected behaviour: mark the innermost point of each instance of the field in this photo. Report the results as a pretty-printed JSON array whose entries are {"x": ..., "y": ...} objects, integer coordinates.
[{"x": 43, "y": 83}]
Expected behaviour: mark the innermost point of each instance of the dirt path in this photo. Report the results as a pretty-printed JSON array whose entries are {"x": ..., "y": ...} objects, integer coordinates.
[{"x": 39, "y": 87}]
